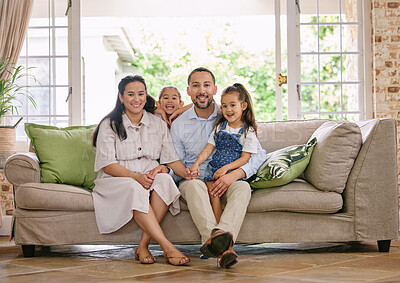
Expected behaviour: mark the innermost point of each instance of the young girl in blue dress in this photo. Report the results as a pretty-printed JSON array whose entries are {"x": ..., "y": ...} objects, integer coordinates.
[{"x": 232, "y": 142}]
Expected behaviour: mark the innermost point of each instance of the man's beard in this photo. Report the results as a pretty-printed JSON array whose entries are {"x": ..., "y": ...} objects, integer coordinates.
[{"x": 202, "y": 106}]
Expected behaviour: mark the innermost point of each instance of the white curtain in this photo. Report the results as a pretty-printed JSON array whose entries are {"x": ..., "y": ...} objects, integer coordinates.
[{"x": 14, "y": 19}]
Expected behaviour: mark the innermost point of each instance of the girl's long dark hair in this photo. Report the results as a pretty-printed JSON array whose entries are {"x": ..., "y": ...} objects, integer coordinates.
[
  {"x": 116, "y": 114},
  {"x": 248, "y": 115}
]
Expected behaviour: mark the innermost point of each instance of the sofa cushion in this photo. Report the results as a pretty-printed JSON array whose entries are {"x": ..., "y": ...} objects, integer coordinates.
[
  {"x": 283, "y": 166},
  {"x": 333, "y": 156},
  {"x": 274, "y": 135},
  {"x": 66, "y": 155},
  {"x": 53, "y": 197},
  {"x": 297, "y": 196}
]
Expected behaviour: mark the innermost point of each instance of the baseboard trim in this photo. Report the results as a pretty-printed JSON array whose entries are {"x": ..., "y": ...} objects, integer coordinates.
[{"x": 5, "y": 229}]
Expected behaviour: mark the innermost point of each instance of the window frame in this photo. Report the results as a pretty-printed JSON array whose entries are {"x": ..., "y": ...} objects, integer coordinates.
[
  {"x": 76, "y": 100},
  {"x": 75, "y": 97},
  {"x": 52, "y": 56},
  {"x": 294, "y": 54}
]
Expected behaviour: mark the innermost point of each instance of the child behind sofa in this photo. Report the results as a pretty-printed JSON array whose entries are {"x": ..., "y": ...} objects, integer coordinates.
[{"x": 170, "y": 104}]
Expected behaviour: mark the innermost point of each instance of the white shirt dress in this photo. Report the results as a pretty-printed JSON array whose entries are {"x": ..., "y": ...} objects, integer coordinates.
[{"x": 147, "y": 144}]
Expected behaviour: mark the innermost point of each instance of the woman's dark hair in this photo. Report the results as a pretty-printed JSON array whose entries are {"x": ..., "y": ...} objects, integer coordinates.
[
  {"x": 116, "y": 114},
  {"x": 248, "y": 115}
]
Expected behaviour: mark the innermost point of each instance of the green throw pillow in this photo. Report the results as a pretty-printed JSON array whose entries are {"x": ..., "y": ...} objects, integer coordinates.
[
  {"x": 283, "y": 166},
  {"x": 66, "y": 155}
]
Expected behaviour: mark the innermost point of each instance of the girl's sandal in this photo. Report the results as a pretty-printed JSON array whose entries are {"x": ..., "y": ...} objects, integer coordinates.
[
  {"x": 143, "y": 253},
  {"x": 175, "y": 257}
]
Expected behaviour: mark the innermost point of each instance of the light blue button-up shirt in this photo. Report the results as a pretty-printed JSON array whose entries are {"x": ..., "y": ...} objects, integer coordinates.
[{"x": 190, "y": 135}]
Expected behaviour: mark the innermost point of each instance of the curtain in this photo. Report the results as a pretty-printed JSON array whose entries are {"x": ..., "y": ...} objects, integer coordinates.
[{"x": 14, "y": 19}]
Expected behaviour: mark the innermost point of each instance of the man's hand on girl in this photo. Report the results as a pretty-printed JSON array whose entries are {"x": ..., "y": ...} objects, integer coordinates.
[{"x": 220, "y": 186}]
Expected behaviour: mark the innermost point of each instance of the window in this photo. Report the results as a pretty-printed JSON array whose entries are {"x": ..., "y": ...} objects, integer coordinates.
[
  {"x": 45, "y": 54},
  {"x": 327, "y": 59},
  {"x": 164, "y": 42},
  {"x": 323, "y": 53}
]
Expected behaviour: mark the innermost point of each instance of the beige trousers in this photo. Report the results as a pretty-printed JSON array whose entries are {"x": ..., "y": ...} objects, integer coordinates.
[{"x": 196, "y": 196}]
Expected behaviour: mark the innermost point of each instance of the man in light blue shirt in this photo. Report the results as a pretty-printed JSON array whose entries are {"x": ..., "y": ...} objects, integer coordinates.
[{"x": 190, "y": 133}]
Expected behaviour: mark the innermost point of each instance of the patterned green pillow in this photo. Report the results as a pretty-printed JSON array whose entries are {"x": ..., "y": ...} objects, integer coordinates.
[{"x": 283, "y": 166}]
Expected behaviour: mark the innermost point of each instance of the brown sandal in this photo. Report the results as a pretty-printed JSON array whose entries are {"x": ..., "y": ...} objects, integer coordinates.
[
  {"x": 143, "y": 253},
  {"x": 175, "y": 257}
]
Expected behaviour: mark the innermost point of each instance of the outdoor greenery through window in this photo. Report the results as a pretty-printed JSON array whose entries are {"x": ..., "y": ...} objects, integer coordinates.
[
  {"x": 329, "y": 79},
  {"x": 222, "y": 45},
  {"x": 330, "y": 56},
  {"x": 164, "y": 49},
  {"x": 45, "y": 54}
]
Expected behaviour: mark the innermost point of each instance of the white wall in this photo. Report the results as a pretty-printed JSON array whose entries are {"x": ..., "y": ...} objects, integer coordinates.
[{"x": 99, "y": 79}]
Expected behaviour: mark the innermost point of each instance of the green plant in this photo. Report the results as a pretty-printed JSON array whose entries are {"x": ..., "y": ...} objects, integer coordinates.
[{"x": 11, "y": 89}]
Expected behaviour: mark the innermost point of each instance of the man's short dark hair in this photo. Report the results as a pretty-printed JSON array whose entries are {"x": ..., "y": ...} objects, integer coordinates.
[{"x": 200, "y": 69}]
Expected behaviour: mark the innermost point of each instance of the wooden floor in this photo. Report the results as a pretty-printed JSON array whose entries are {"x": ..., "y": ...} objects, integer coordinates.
[{"x": 325, "y": 262}]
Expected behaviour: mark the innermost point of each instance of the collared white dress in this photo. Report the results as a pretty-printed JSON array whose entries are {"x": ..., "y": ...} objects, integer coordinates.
[{"x": 147, "y": 144}]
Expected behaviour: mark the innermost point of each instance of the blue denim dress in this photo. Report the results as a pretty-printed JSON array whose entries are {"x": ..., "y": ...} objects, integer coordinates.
[{"x": 227, "y": 150}]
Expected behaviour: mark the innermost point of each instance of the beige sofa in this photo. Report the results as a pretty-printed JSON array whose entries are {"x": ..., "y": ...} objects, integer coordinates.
[{"x": 367, "y": 209}]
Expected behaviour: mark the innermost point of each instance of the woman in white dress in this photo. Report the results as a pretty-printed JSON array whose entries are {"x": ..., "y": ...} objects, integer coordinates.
[{"x": 130, "y": 142}]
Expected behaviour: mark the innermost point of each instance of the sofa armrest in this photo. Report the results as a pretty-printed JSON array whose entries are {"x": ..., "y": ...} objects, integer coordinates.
[
  {"x": 371, "y": 194},
  {"x": 21, "y": 168}
]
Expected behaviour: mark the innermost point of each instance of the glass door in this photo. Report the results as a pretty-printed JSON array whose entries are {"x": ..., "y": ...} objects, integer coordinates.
[{"x": 326, "y": 59}]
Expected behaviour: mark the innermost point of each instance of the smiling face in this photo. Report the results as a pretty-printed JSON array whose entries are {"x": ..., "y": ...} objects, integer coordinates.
[
  {"x": 201, "y": 89},
  {"x": 170, "y": 100},
  {"x": 134, "y": 99},
  {"x": 232, "y": 109}
]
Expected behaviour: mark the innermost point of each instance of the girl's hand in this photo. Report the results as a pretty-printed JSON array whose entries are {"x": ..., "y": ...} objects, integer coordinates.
[
  {"x": 190, "y": 175},
  {"x": 194, "y": 175},
  {"x": 219, "y": 173},
  {"x": 194, "y": 171},
  {"x": 173, "y": 116},
  {"x": 144, "y": 179},
  {"x": 179, "y": 111},
  {"x": 161, "y": 111},
  {"x": 158, "y": 169}
]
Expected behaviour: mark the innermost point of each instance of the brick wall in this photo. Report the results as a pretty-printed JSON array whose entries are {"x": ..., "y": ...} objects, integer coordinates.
[
  {"x": 385, "y": 30},
  {"x": 6, "y": 195}
]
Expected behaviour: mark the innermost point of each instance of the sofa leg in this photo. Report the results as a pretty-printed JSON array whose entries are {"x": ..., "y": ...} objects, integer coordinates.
[
  {"x": 28, "y": 250},
  {"x": 384, "y": 246}
]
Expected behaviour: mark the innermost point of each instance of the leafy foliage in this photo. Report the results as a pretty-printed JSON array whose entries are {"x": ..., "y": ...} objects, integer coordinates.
[
  {"x": 231, "y": 63},
  {"x": 330, "y": 71},
  {"x": 229, "y": 68},
  {"x": 10, "y": 88}
]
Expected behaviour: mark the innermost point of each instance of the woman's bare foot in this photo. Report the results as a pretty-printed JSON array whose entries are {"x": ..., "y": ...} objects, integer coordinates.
[
  {"x": 175, "y": 257},
  {"x": 143, "y": 255}
]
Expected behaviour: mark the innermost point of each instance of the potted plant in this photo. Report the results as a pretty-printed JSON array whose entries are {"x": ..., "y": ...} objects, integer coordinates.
[{"x": 11, "y": 92}]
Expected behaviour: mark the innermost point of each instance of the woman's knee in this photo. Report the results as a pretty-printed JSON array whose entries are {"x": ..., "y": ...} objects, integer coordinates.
[{"x": 163, "y": 177}]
